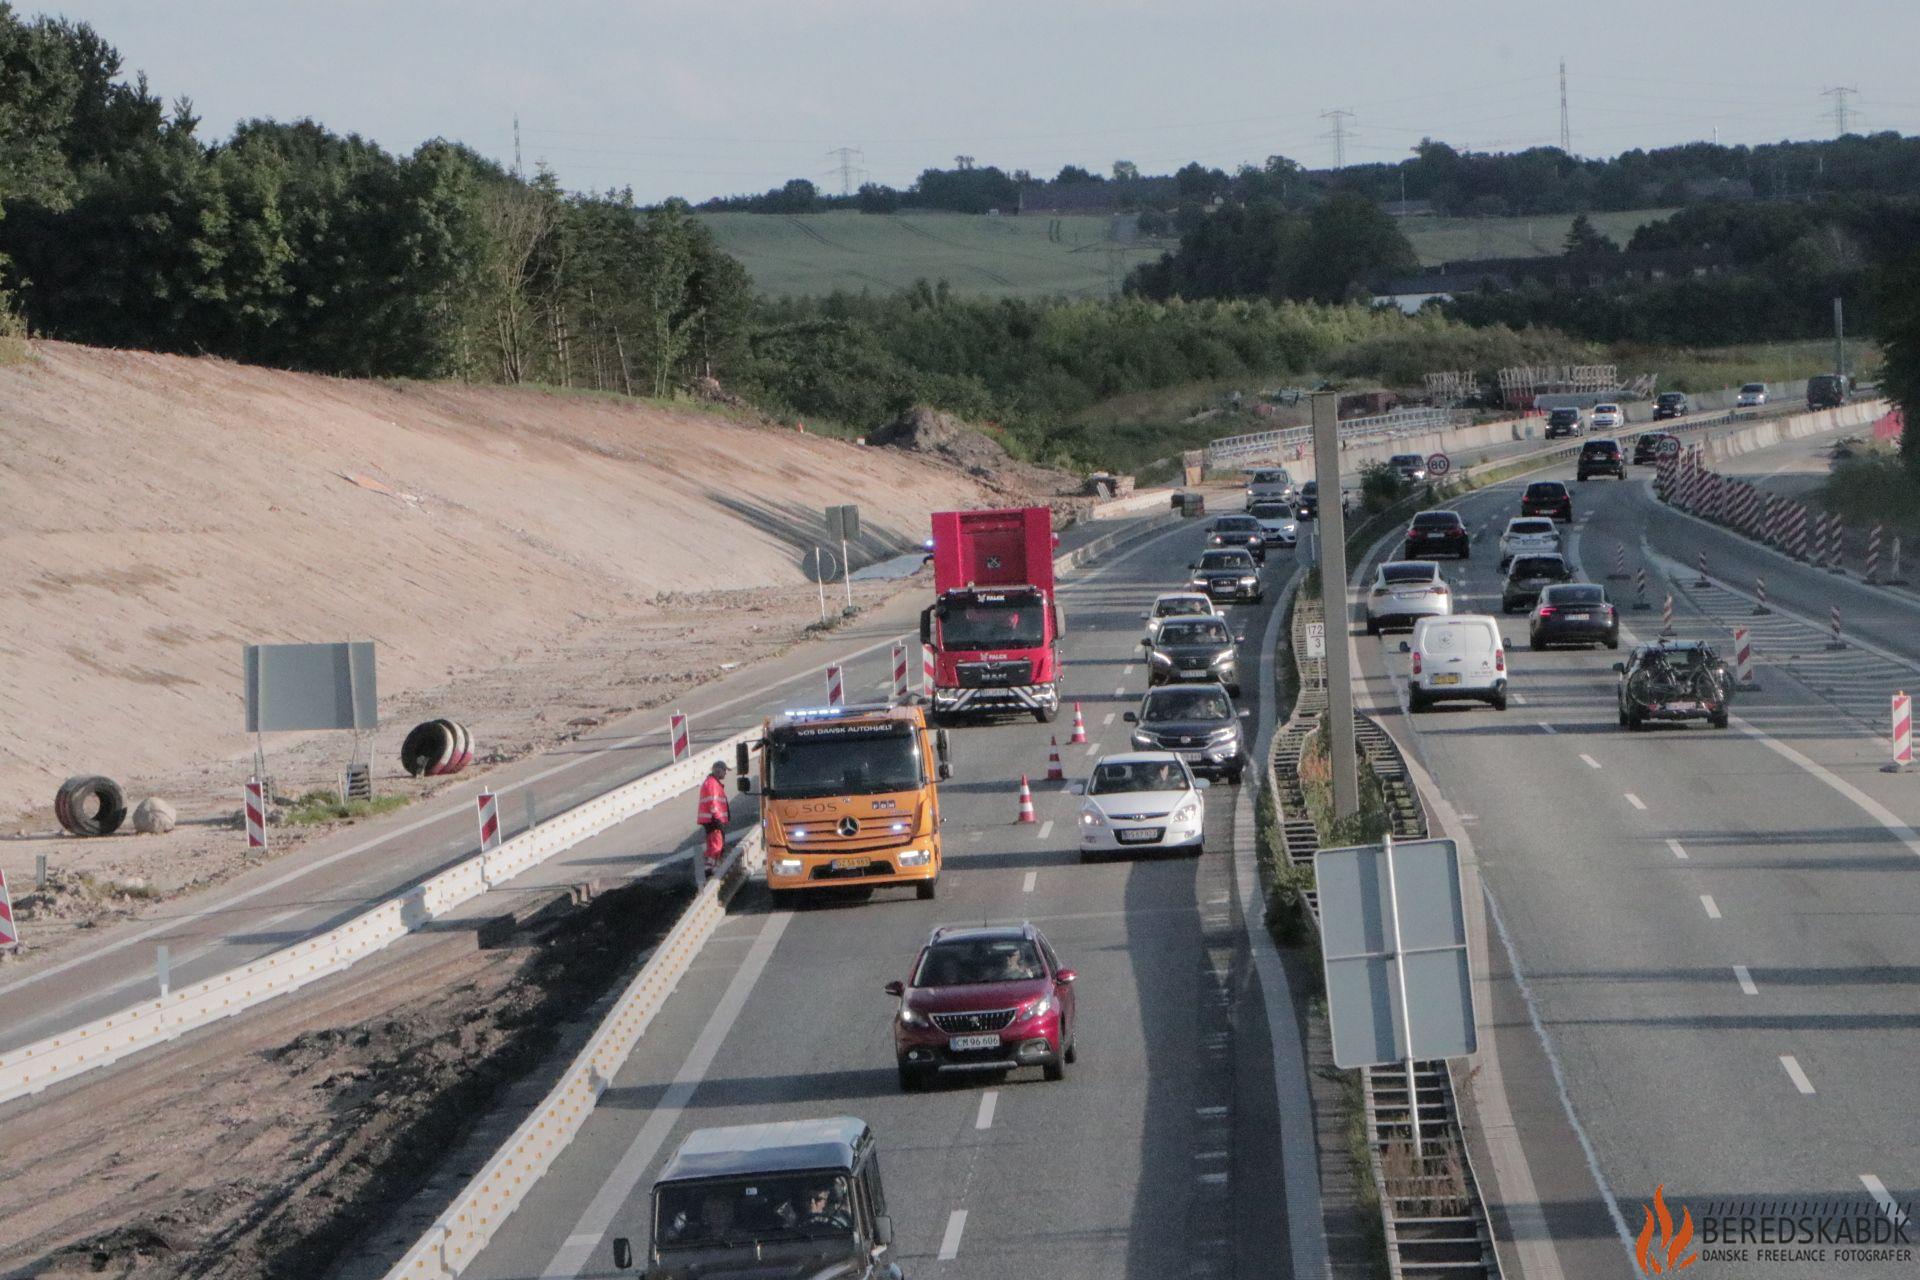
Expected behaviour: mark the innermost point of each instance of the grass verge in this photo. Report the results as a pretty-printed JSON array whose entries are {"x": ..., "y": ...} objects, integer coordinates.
[
  {"x": 1368, "y": 825},
  {"x": 326, "y": 806},
  {"x": 1874, "y": 487}
]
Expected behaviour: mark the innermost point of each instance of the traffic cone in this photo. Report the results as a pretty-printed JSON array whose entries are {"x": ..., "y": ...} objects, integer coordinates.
[
  {"x": 1054, "y": 772},
  {"x": 1079, "y": 725},
  {"x": 1026, "y": 801}
]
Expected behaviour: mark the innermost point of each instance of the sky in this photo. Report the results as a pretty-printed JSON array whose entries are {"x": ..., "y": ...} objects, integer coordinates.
[{"x": 698, "y": 98}]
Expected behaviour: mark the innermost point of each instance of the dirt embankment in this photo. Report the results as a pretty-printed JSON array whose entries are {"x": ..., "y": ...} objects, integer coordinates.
[{"x": 529, "y": 563}]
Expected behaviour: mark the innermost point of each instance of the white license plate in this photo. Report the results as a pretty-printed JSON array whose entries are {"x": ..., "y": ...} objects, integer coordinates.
[
  {"x": 1580, "y": 617},
  {"x": 960, "y": 1044},
  {"x": 1137, "y": 835},
  {"x": 1193, "y": 755},
  {"x": 850, "y": 864},
  {"x": 1446, "y": 679}
]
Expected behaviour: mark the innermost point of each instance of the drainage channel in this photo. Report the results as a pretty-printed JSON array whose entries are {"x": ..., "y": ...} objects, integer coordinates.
[{"x": 1434, "y": 1219}]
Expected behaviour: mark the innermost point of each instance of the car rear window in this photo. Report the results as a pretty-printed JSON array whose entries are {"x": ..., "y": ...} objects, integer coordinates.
[
  {"x": 1410, "y": 572},
  {"x": 1601, "y": 446},
  {"x": 1180, "y": 606},
  {"x": 1404, "y": 460},
  {"x": 1546, "y": 489},
  {"x": 1581, "y": 593},
  {"x": 1538, "y": 566},
  {"x": 1535, "y": 525},
  {"x": 1437, "y": 520}
]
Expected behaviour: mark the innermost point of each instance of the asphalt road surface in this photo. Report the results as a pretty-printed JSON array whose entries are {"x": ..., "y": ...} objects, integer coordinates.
[{"x": 1155, "y": 1158}]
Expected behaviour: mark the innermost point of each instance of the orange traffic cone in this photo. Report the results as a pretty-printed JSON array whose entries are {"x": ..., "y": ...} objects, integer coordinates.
[
  {"x": 1054, "y": 772},
  {"x": 1079, "y": 725},
  {"x": 1026, "y": 801}
]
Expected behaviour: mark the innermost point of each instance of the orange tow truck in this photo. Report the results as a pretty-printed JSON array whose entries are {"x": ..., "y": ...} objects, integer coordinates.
[{"x": 848, "y": 798}]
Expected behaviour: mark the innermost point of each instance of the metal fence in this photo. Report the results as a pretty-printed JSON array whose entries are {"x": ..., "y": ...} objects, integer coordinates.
[{"x": 1276, "y": 444}]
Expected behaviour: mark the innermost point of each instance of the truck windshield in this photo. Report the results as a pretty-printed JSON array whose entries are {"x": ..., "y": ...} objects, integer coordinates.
[
  {"x": 1015, "y": 622},
  {"x": 843, "y": 760},
  {"x": 718, "y": 1213}
]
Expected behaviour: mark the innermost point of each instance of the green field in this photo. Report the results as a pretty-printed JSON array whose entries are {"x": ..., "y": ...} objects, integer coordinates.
[{"x": 1039, "y": 256}]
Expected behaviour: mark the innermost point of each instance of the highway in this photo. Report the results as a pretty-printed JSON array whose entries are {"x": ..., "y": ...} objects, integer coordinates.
[
  {"x": 1715, "y": 928},
  {"x": 1140, "y": 1164},
  {"x": 337, "y": 875}
]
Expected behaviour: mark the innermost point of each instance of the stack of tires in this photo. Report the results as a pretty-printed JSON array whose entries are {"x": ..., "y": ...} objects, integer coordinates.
[
  {"x": 437, "y": 748},
  {"x": 89, "y": 805}
]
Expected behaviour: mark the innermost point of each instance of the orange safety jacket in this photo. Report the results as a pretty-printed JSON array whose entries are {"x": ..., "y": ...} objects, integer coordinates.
[{"x": 713, "y": 802}]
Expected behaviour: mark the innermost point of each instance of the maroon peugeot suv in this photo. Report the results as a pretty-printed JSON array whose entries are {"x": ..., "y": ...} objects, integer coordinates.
[{"x": 983, "y": 998}]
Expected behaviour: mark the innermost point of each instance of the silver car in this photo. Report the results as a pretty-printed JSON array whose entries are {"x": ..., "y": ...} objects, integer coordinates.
[
  {"x": 1752, "y": 396},
  {"x": 1403, "y": 592}
]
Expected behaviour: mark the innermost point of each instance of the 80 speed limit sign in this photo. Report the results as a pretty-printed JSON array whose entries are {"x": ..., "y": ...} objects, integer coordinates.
[{"x": 1438, "y": 465}]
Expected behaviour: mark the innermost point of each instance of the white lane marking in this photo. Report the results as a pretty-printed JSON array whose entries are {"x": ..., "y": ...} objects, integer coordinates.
[
  {"x": 1710, "y": 906},
  {"x": 1046, "y": 828},
  {"x": 1093, "y": 748},
  {"x": 1120, "y": 691},
  {"x": 1795, "y": 1074},
  {"x": 1107, "y": 720},
  {"x": 988, "y": 1101},
  {"x": 625, "y": 1178},
  {"x": 1678, "y": 851},
  {"x": 1127, "y": 670},
  {"x": 1636, "y": 802},
  {"x": 1745, "y": 979},
  {"x": 1549, "y": 728},
  {"x": 950, "y": 1242},
  {"x": 1026, "y": 886},
  {"x": 1590, "y": 761},
  {"x": 1878, "y": 1190},
  {"x": 1520, "y": 698},
  {"x": 1873, "y": 808}
]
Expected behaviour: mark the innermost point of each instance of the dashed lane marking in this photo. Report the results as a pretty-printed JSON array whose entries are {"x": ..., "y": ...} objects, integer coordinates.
[
  {"x": 1591, "y": 763},
  {"x": 1046, "y": 828},
  {"x": 1678, "y": 850},
  {"x": 1549, "y": 728},
  {"x": 1792, "y": 1066},
  {"x": 1107, "y": 719},
  {"x": 1878, "y": 1190},
  {"x": 1026, "y": 886},
  {"x": 1712, "y": 908},
  {"x": 1745, "y": 979},
  {"x": 988, "y": 1101},
  {"x": 950, "y": 1242},
  {"x": 1636, "y": 802}
]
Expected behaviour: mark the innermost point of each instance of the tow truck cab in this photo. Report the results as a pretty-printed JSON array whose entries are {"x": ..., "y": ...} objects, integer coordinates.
[{"x": 849, "y": 796}]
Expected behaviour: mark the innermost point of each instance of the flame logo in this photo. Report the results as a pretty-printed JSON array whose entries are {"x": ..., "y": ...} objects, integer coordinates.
[{"x": 1672, "y": 1243}]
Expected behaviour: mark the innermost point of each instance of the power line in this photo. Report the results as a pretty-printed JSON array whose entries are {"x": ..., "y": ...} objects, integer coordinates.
[
  {"x": 1839, "y": 96},
  {"x": 1338, "y": 133},
  {"x": 1566, "y": 135},
  {"x": 846, "y": 155}
]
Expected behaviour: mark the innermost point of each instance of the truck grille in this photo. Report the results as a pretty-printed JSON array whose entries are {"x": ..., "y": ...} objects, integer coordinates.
[
  {"x": 989, "y": 675},
  {"x": 962, "y": 1023}
]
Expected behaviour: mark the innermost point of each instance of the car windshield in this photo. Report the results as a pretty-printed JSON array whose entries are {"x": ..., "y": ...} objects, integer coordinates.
[
  {"x": 1404, "y": 460},
  {"x": 1181, "y": 607},
  {"x": 1226, "y": 560},
  {"x": 1582, "y": 594},
  {"x": 1236, "y": 524},
  {"x": 1271, "y": 511},
  {"x": 837, "y": 760},
  {"x": 755, "y": 1209},
  {"x": 1010, "y": 623},
  {"x": 1397, "y": 573},
  {"x": 1755, "y": 386},
  {"x": 1186, "y": 704},
  {"x": 1539, "y": 567},
  {"x": 1564, "y": 415},
  {"x": 1436, "y": 520},
  {"x": 1208, "y": 632},
  {"x": 1546, "y": 489},
  {"x": 1138, "y": 775},
  {"x": 1532, "y": 526},
  {"x": 1671, "y": 397},
  {"x": 968, "y": 962}
]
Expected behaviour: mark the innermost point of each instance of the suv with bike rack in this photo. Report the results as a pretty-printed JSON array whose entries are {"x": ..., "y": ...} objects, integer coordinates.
[{"x": 1674, "y": 680}]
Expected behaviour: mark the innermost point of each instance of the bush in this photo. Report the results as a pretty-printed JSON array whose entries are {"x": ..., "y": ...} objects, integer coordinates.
[
  {"x": 326, "y": 806},
  {"x": 1380, "y": 487}
]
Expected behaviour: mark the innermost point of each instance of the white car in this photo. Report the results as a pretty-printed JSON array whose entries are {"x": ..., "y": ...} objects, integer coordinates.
[
  {"x": 1462, "y": 656},
  {"x": 1526, "y": 535},
  {"x": 1752, "y": 396},
  {"x": 1269, "y": 484},
  {"x": 1142, "y": 800},
  {"x": 1403, "y": 592},
  {"x": 1277, "y": 518},
  {"x": 1607, "y": 417},
  {"x": 1178, "y": 604}
]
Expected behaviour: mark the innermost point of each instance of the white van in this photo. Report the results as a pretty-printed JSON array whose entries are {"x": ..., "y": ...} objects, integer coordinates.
[{"x": 1458, "y": 656}]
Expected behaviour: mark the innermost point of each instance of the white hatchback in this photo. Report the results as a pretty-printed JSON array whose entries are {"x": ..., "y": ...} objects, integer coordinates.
[
  {"x": 1608, "y": 417},
  {"x": 1528, "y": 535},
  {"x": 1178, "y": 604},
  {"x": 1462, "y": 656},
  {"x": 1404, "y": 591},
  {"x": 1142, "y": 800},
  {"x": 1752, "y": 396}
]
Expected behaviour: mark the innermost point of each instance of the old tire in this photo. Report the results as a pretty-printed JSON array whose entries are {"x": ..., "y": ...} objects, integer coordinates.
[
  {"x": 430, "y": 747},
  {"x": 90, "y": 806}
]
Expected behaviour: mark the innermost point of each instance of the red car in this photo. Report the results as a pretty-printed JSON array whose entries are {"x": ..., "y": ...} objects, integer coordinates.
[
  {"x": 983, "y": 998},
  {"x": 1547, "y": 498}
]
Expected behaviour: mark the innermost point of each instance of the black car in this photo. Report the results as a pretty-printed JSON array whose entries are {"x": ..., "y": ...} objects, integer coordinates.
[
  {"x": 1228, "y": 575},
  {"x": 1670, "y": 404},
  {"x": 1673, "y": 680},
  {"x": 1563, "y": 422},
  {"x": 1193, "y": 649},
  {"x": 1437, "y": 531},
  {"x": 1243, "y": 532},
  {"x": 1826, "y": 391},
  {"x": 1530, "y": 574},
  {"x": 1602, "y": 458},
  {"x": 1307, "y": 505},
  {"x": 1547, "y": 498},
  {"x": 1573, "y": 613},
  {"x": 1648, "y": 445},
  {"x": 1197, "y": 721}
]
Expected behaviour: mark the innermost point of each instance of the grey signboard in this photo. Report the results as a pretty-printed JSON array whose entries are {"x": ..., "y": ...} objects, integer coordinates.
[
  {"x": 843, "y": 523},
  {"x": 311, "y": 686},
  {"x": 1394, "y": 935}
]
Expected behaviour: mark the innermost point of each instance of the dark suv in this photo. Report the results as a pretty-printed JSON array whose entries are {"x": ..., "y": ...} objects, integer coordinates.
[
  {"x": 1197, "y": 721},
  {"x": 1673, "y": 680},
  {"x": 1602, "y": 458},
  {"x": 1648, "y": 445},
  {"x": 1670, "y": 404},
  {"x": 1826, "y": 391},
  {"x": 1244, "y": 533},
  {"x": 1547, "y": 498},
  {"x": 1436, "y": 531},
  {"x": 1227, "y": 574},
  {"x": 983, "y": 999},
  {"x": 1193, "y": 649},
  {"x": 1528, "y": 576},
  {"x": 1563, "y": 422}
]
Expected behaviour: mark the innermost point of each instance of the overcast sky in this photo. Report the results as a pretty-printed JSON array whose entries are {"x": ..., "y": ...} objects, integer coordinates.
[{"x": 706, "y": 97}]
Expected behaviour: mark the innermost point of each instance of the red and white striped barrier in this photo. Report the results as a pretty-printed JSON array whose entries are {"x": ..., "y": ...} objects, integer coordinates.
[
  {"x": 900, "y": 671},
  {"x": 1770, "y": 520},
  {"x": 926, "y": 671},
  {"x": 1873, "y": 555},
  {"x": 1640, "y": 590},
  {"x": 489, "y": 812},
  {"x": 1666, "y": 616},
  {"x": 1619, "y": 573},
  {"x": 1902, "y": 732},
  {"x": 1798, "y": 536},
  {"x": 836, "y": 687},
  {"x": 1836, "y": 545},
  {"x": 1839, "y": 641},
  {"x": 679, "y": 737},
  {"x": 9, "y": 931},
  {"x": 1703, "y": 580},
  {"x": 1760, "y": 597},
  {"x": 1743, "y": 657},
  {"x": 255, "y": 805},
  {"x": 1054, "y": 772},
  {"x": 1026, "y": 801},
  {"x": 1079, "y": 726}
]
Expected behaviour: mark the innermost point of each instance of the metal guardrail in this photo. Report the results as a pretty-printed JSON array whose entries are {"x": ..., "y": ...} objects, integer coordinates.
[{"x": 1401, "y": 422}]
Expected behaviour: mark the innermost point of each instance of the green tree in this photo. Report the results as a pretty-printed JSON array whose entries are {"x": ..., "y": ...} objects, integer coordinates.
[
  {"x": 1584, "y": 240},
  {"x": 1897, "y": 295},
  {"x": 1350, "y": 239}
]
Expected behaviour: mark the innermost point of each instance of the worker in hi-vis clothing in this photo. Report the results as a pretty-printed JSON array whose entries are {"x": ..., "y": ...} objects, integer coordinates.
[{"x": 713, "y": 817}]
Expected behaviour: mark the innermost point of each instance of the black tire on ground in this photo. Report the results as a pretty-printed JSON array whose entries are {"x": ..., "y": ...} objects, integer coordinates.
[
  {"x": 1073, "y": 1051},
  {"x": 926, "y": 889},
  {"x": 1373, "y": 627},
  {"x": 425, "y": 746},
  {"x": 1416, "y": 699},
  {"x": 1499, "y": 702},
  {"x": 1719, "y": 719},
  {"x": 1057, "y": 1069},
  {"x": 1613, "y": 641},
  {"x": 92, "y": 806},
  {"x": 1623, "y": 716},
  {"x": 1234, "y": 774},
  {"x": 1233, "y": 690},
  {"x": 1466, "y": 553}
]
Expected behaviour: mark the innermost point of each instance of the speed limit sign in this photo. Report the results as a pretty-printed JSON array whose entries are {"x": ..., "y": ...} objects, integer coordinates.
[
  {"x": 1670, "y": 447},
  {"x": 1439, "y": 464}
]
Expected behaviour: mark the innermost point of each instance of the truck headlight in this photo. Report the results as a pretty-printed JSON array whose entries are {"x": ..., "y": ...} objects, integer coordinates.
[
  {"x": 914, "y": 857},
  {"x": 786, "y": 866}
]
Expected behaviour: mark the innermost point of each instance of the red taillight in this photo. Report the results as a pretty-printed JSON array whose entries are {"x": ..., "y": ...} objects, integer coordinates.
[
  {"x": 1416, "y": 662},
  {"x": 1499, "y": 659},
  {"x": 1546, "y": 611}
]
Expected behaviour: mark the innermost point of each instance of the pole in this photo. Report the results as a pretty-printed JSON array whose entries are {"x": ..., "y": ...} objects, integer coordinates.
[
  {"x": 160, "y": 968},
  {"x": 846, "y": 573},
  {"x": 820, "y": 578},
  {"x": 1331, "y": 528},
  {"x": 1840, "y": 340},
  {"x": 1406, "y": 1015}
]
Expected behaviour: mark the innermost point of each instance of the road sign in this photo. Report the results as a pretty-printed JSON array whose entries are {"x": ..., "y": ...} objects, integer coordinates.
[
  {"x": 1670, "y": 447},
  {"x": 1316, "y": 639},
  {"x": 843, "y": 523},
  {"x": 1394, "y": 934},
  {"x": 822, "y": 564},
  {"x": 1438, "y": 465}
]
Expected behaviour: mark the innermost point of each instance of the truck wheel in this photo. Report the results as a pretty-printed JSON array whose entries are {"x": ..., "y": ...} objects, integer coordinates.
[
  {"x": 1046, "y": 715},
  {"x": 925, "y": 890}
]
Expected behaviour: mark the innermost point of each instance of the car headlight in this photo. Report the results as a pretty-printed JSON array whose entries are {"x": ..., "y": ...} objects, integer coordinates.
[
  {"x": 1092, "y": 817},
  {"x": 1158, "y": 659},
  {"x": 1227, "y": 734},
  {"x": 1249, "y": 581},
  {"x": 914, "y": 857},
  {"x": 913, "y": 1018},
  {"x": 1143, "y": 741},
  {"x": 786, "y": 866},
  {"x": 1188, "y": 811},
  {"x": 1036, "y": 1008},
  {"x": 1198, "y": 582},
  {"x": 1224, "y": 660}
]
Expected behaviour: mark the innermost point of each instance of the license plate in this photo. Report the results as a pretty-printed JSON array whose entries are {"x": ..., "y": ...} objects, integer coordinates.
[
  {"x": 960, "y": 1044},
  {"x": 850, "y": 864},
  {"x": 1580, "y": 617},
  {"x": 1686, "y": 706},
  {"x": 1137, "y": 835},
  {"x": 1446, "y": 679},
  {"x": 1193, "y": 755}
]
